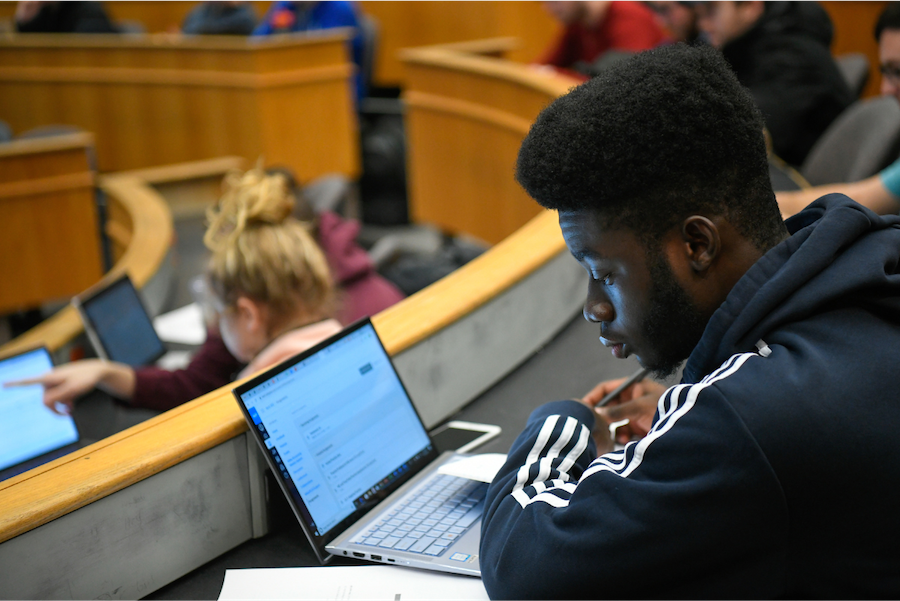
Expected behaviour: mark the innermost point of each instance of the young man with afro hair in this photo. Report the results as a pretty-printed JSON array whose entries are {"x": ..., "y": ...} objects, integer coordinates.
[{"x": 768, "y": 471}]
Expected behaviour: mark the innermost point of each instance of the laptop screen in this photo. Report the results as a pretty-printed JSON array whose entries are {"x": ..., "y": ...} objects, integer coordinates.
[
  {"x": 339, "y": 428},
  {"x": 121, "y": 324},
  {"x": 27, "y": 428}
]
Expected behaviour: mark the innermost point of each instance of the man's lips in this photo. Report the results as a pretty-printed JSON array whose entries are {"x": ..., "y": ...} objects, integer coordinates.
[{"x": 617, "y": 348}]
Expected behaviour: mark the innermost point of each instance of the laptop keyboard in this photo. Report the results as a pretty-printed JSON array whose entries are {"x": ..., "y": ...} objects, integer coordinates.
[{"x": 430, "y": 519}]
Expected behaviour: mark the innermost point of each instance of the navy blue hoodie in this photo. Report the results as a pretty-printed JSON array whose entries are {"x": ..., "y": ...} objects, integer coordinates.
[{"x": 773, "y": 470}]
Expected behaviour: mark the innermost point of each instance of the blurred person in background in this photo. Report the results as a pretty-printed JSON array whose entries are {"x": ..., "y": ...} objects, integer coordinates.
[
  {"x": 62, "y": 17},
  {"x": 276, "y": 292},
  {"x": 679, "y": 19},
  {"x": 220, "y": 18},
  {"x": 881, "y": 192},
  {"x": 594, "y": 29},
  {"x": 781, "y": 52},
  {"x": 291, "y": 17}
]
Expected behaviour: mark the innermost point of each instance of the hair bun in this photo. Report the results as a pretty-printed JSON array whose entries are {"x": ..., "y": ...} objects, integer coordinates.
[{"x": 250, "y": 199}]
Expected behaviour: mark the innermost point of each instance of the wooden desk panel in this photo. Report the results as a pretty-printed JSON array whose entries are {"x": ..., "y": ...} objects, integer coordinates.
[
  {"x": 413, "y": 24},
  {"x": 401, "y": 25},
  {"x": 140, "y": 229},
  {"x": 466, "y": 117},
  {"x": 49, "y": 231},
  {"x": 155, "y": 100}
]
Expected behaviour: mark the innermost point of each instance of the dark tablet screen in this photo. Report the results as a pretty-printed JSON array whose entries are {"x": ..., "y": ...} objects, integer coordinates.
[{"x": 121, "y": 325}]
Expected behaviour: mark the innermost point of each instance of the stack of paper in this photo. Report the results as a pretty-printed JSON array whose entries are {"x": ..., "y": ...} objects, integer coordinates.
[{"x": 391, "y": 583}]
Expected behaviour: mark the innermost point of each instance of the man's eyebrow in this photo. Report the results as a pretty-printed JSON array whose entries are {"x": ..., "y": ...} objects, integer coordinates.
[{"x": 587, "y": 254}]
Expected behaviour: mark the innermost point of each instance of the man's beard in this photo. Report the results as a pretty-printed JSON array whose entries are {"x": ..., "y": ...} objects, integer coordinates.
[{"x": 674, "y": 323}]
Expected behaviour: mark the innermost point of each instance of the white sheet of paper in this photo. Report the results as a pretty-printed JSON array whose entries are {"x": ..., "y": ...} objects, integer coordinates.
[
  {"x": 477, "y": 467},
  {"x": 182, "y": 326},
  {"x": 348, "y": 583}
]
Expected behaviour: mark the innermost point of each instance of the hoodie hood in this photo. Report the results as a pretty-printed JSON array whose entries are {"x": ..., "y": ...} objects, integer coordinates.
[
  {"x": 337, "y": 237},
  {"x": 782, "y": 25},
  {"x": 362, "y": 291},
  {"x": 805, "y": 18},
  {"x": 839, "y": 254}
]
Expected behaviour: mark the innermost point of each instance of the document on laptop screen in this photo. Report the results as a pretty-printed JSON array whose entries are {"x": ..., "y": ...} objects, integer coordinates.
[
  {"x": 27, "y": 427},
  {"x": 338, "y": 423}
]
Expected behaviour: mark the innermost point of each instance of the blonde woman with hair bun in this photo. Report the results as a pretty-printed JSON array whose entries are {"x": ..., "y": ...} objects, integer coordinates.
[
  {"x": 273, "y": 293},
  {"x": 270, "y": 280}
]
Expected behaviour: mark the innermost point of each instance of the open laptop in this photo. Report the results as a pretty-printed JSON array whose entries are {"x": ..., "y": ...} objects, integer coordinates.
[
  {"x": 118, "y": 325},
  {"x": 30, "y": 434},
  {"x": 357, "y": 466}
]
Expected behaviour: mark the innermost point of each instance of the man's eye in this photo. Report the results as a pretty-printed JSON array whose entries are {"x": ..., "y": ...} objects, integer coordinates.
[{"x": 605, "y": 280}]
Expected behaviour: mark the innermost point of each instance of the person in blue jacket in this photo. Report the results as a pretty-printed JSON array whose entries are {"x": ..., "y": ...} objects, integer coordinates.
[
  {"x": 288, "y": 17},
  {"x": 770, "y": 470}
]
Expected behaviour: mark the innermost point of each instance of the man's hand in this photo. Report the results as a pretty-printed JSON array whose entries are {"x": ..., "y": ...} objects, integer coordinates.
[{"x": 637, "y": 404}]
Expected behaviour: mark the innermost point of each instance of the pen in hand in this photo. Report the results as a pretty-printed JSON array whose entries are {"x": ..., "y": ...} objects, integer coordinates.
[{"x": 635, "y": 377}]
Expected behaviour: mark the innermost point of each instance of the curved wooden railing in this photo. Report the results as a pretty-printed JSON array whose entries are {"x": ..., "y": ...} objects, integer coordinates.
[
  {"x": 46, "y": 492},
  {"x": 139, "y": 226}
]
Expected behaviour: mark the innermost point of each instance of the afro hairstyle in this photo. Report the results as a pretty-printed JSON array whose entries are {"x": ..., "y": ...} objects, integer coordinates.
[{"x": 663, "y": 135}]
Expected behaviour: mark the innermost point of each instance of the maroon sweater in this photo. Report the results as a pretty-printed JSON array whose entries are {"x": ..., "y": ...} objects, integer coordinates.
[{"x": 362, "y": 292}]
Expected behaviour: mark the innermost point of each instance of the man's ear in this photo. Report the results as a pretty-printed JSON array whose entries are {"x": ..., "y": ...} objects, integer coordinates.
[{"x": 702, "y": 243}]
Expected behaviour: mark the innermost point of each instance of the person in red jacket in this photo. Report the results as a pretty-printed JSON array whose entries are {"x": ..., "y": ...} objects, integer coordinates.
[{"x": 593, "y": 28}]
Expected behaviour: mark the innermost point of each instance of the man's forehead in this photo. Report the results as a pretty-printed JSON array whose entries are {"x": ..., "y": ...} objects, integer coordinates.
[
  {"x": 582, "y": 221},
  {"x": 590, "y": 235},
  {"x": 889, "y": 46},
  {"x": 589, "y": 219}
]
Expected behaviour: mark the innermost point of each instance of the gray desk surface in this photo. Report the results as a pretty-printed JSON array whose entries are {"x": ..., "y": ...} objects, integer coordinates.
[{"x": 568, "y": 366}]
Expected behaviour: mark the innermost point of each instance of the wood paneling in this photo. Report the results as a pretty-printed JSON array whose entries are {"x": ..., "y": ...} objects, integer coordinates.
[
  {"x": 466, "y": 116},
  {"x": 412, "y": 24},
  {"x": 155, "y": 16},
  {"x": 50, "y": 244},
  {"x": 140, "y": 227},
  {"x": 401, "y": 24},
  {"x": 157, "y": 100}
]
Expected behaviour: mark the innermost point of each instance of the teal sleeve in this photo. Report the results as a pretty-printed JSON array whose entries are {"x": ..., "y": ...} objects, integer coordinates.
[{"x": 890, "y": 177}]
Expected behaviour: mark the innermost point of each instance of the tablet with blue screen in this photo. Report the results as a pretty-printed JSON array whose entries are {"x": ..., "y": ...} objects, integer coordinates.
[{"x": 30, "y": 434}]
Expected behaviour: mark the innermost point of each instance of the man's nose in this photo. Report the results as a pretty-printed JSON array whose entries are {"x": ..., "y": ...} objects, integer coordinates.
[{"x": 597, "y": 307}]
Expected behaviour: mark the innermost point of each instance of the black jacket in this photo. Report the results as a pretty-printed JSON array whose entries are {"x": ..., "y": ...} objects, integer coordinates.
[
  {"x": 69, "y": 17},
  {"x": 786, "y": 63},
  {"x": 770, "y": 471}
]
